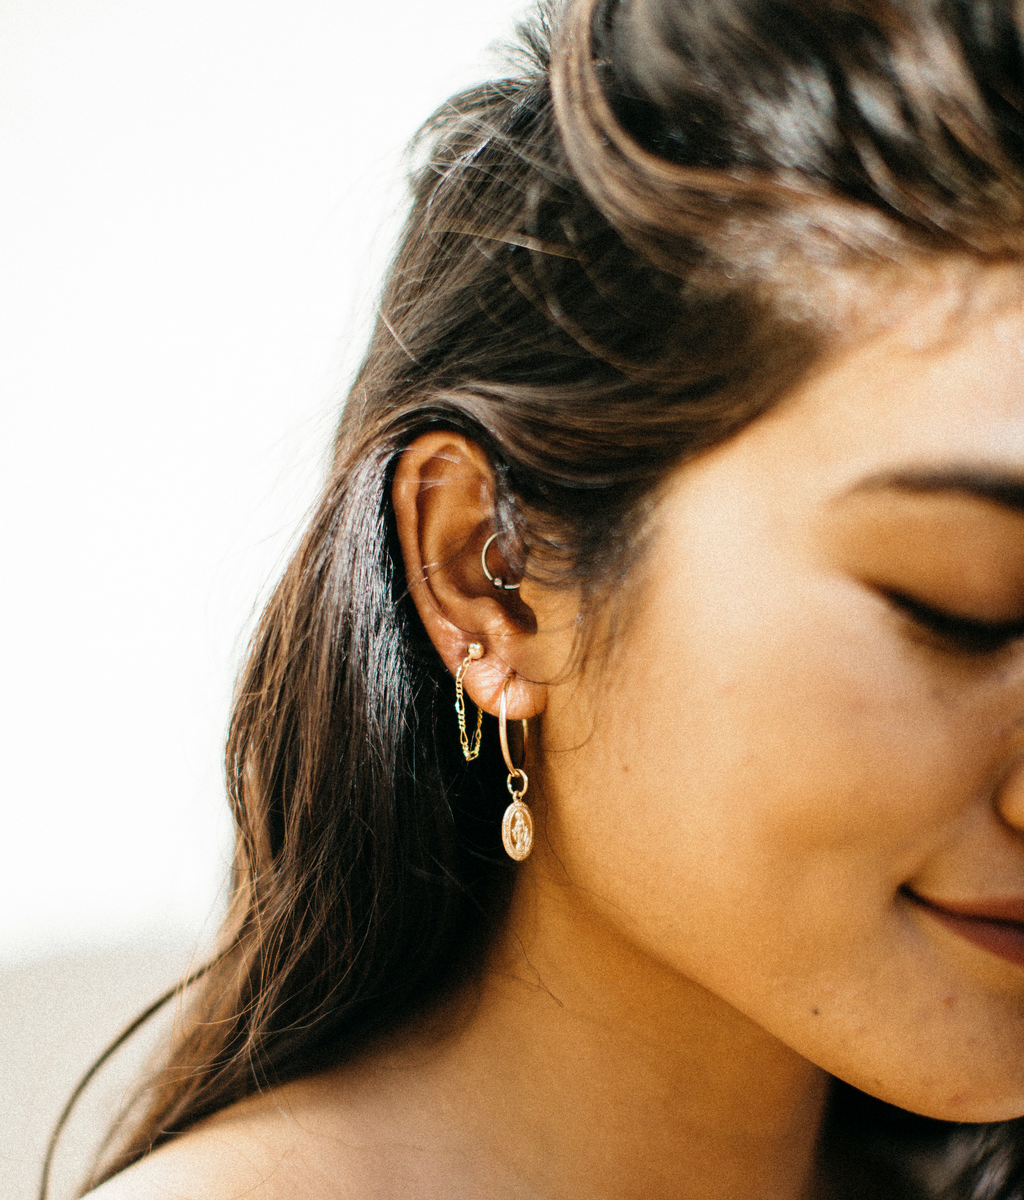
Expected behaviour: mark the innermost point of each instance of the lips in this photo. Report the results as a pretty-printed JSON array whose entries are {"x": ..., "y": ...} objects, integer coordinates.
[{"x": 993, "y": 925}]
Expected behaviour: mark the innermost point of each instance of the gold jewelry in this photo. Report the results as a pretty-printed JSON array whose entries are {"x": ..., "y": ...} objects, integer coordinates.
[
  {"x": 517, "y": 823},
  {"x": 473, "y": 651},
  {"x": 495, "y": 579}
]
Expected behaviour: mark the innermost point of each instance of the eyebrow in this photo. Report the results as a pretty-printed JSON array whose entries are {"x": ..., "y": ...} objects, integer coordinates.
[{"x": 995, "y": 486}]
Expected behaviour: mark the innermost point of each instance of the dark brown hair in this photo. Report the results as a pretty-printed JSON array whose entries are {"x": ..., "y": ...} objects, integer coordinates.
[{"x": 614, "y": 259}]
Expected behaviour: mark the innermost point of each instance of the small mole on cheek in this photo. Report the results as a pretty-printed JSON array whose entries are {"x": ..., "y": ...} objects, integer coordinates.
[
  {"x": 948, "y": 1001},
  {"x": 816, "y": 1011}
]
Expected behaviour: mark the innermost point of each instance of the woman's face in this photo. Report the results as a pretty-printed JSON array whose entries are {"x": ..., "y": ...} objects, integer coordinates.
[{"x": 810, "y": 737}]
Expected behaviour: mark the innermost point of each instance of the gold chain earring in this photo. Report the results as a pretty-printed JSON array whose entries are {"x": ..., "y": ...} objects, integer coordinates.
[
  {"x": 517, "y": 824},
  {"x": 473, "y": 651}
]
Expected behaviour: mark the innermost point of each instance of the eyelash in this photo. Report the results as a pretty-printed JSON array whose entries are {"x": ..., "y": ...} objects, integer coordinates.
[{"x": 962, "y": 633}]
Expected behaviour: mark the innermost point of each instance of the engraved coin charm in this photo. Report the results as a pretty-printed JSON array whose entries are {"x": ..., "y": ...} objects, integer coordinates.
[{"x": 517, "y": 830}]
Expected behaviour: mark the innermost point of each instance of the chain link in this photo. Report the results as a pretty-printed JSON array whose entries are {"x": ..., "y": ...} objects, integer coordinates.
[{"x": 468, "y": 752}]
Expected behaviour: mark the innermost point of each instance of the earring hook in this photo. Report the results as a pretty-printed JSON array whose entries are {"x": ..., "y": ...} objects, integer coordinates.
[
  {"x": 517, "y": 824},
  {"x": 514, "y": 771}
]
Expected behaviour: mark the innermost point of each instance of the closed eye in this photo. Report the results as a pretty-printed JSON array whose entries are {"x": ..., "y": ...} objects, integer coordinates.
[{"x": 962, "y": 633}]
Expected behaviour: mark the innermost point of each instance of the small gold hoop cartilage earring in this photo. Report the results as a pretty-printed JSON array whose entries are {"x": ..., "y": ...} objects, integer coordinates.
[
  {"x": 517, "y": 823},
  {"x": 495, "y": 579},
  {"x": 473, "y": 651}
]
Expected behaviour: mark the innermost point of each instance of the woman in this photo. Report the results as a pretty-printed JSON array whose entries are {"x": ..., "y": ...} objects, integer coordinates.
[{"x": 692, "y": 437}]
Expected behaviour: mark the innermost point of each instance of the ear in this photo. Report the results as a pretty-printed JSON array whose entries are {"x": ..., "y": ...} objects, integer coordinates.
[{"x": 443, "y": 497}]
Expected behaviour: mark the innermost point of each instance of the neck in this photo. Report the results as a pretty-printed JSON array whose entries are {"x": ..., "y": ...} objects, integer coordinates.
[{"x": 583, "y": 1063}]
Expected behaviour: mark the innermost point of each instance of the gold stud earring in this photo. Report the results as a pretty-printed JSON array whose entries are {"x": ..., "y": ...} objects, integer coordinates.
[
  {"x": 473, "y": 651},
  {"x": 517, "y": 823}
]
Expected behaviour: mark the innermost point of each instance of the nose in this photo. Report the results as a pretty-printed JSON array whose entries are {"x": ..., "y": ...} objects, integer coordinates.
[{"x": 1010, "y": 800}]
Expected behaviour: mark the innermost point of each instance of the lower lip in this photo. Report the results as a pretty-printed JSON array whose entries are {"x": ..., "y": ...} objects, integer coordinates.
[{"x": 1002, "y": 938}]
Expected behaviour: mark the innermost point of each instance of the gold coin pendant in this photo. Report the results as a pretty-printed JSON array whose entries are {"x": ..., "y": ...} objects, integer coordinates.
[{"x": 517, "y": 830}]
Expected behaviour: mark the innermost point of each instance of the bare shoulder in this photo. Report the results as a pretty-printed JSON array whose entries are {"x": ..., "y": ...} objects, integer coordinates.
[
  {"x": 381, "y": 1130},
  {"x": 260, "y": 1150}
]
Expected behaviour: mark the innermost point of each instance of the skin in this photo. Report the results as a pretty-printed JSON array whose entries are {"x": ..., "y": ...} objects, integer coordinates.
[{"x": 734, "y": 806}]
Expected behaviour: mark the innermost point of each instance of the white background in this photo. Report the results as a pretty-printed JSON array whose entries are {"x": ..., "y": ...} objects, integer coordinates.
[{"x": 196, "y": 200}]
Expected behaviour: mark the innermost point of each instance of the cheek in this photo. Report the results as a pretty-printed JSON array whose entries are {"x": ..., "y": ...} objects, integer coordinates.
[
  {"x": 762, "y": 770},
  {"x": 763, "y": 745}
]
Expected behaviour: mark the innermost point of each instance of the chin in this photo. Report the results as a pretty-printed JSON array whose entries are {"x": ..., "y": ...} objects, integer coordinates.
[{"x": 960, "y": 1100}]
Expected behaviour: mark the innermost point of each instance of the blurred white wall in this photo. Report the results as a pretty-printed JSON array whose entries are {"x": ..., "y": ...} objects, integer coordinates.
[{"x": 196, "y": 200}]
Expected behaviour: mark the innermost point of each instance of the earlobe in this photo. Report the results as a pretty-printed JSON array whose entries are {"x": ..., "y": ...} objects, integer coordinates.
[{"x": 443, "y": 501}]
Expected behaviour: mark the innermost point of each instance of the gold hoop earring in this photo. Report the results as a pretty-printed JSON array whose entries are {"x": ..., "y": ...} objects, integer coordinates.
[
  {"x": 473, "y": 651},
  {"x": 517, "y": 823},
  {"x": 495, "y": 579}
]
